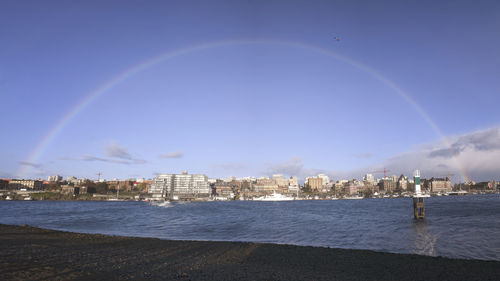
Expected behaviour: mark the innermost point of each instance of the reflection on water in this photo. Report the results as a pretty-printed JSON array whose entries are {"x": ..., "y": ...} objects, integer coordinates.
[
  {"x": 164, "y": 204},
  {"x": 425, "y": 241}
]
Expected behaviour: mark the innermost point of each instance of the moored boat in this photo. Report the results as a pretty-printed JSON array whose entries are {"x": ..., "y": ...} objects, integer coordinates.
[{"x": 274, "y": 197}]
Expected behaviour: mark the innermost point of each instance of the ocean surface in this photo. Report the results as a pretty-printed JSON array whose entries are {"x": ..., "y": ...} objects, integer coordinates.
[{"x": 455, "y": 226}]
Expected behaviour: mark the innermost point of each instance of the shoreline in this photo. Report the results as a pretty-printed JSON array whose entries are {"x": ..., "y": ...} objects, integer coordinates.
[
  {"x": 30, "y": 253},
  {"x": 110, "y": 198}
]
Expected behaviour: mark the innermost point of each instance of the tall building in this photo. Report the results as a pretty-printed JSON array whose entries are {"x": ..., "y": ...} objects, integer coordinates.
[
  {"x": 324, "y": 178},
  {"x": 55, "y": 178},
  {"x": 179, "y": 185},
  {"x": 387, "y": 184},
  {"x": 315, "y": 183},
  {"x": 402, "y": 183},
  {"x": 369, "y": 178}
]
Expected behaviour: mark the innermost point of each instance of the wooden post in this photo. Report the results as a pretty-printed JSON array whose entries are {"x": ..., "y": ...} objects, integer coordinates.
[{"x": 418, "y": 208}]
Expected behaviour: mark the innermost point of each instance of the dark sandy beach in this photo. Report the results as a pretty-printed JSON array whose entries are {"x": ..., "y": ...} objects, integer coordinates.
[{"x": 30, "y": 253}]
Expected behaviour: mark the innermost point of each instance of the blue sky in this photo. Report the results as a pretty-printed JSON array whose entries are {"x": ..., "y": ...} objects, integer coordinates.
[{"x": 254, "y": 108}]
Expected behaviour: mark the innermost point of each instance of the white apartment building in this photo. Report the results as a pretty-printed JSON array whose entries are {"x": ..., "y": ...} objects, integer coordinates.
[
  {"x": 55, "y": 178},
  {"x": 325, "y": 178},
  {"x": 369, "y": 178},
  {"x": 181, "y": 185}
]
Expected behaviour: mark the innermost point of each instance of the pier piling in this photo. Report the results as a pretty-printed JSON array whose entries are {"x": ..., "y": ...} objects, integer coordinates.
[{"x": 418, "y": 208}]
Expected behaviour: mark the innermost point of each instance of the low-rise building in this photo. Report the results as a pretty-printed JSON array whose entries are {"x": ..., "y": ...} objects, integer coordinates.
[
  {"x": 265, "y": 185},
  {"x": 440, "y": 185},
  {"x": 224, "y": 189},
  {"x": 387, "y": 185},
  {"x": 4, "y": 184},
  {"x": 281, "y": 181},
  {"x": 71, "y": 190},
  {"x": 402, "y": 183},
  {"x": 25, "y": 184},
  {"x": 351, "y": 188},
  {"x": 125, "y": 185}
]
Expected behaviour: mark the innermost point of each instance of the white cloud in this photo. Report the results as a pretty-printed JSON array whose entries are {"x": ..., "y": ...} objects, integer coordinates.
[
  {"x": 176, "y": 154},
  {"x": 476, "y": 153},
  {"x": 31, "y": 164},
  {"x": 486, "y": 140},
  {"x": 91, "y": 158},
  {"x": 117, "y": 151}
]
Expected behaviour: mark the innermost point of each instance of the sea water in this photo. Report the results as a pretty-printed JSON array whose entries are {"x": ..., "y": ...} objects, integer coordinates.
[{"x": 455, "y": 226}]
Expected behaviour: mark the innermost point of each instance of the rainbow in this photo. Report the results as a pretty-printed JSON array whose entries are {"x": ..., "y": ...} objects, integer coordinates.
[{"x": 143, "y": 65}]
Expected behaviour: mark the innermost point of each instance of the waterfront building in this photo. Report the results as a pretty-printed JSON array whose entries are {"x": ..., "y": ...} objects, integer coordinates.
[
  {"x": 265, "y": 185},
  {"x": 402, "y": 183},
  {"x": 293, "y": 188},
  {"x": 353, "y": 187},
  {"x": 325, "y": 179},
  {"x": 224, "y": 189},
  {"x": 280, "y": 180},
  {"x": 4, "y": 184},
  {"x": 70, "y": 190},
  {"x": 387, "y": 185},
  {"x": 316, "y": 183},
  {"x": 25, "y": 184},
  {"x": 182, "y": 186},
  {"x": 126, "y": 185},
  {"x": 439, "y": 185},
  {"x": 293, "y": 184}
]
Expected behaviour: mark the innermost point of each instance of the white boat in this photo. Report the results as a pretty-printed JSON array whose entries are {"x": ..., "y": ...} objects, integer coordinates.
[
  {"x": 353, "y": 197},
  {"x": 27, "y": 198},
  {"x": 274, "y": 197},
  {"x": 115, "y": 199},
  {"x": 8, "y": 198}
]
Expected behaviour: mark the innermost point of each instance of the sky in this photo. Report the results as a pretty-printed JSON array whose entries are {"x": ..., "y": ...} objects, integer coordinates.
[{"x": 250, "y": 88}]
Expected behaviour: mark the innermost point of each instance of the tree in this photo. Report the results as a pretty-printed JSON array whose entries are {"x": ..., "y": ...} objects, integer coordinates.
[
  {"x": 143, "y": 187},
  {"x": 367, "y": 193},
  {"x": 307, "y": 188}
]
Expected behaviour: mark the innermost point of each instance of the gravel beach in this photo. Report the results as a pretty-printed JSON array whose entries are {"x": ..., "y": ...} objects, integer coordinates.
[{"x": 31, "y": 253}]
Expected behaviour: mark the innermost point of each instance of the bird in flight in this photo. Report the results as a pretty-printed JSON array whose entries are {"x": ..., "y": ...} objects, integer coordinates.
[{"x": 336, "y": 38}]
